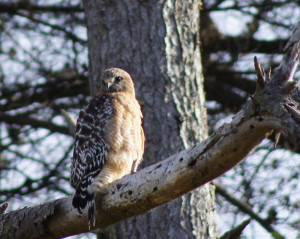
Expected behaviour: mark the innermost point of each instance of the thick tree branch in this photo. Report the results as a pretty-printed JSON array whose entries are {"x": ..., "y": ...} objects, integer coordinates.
[
  {"x": 23, "y": 95},
  {"x": 13, "y": 7},
  {"x": 244, "y": 44},
  {"x": 33, "y": 122},
  {"x": 274, "y": 106},
  {"x": 148, "y": 188},
  {"x": 213, "y": 41}
]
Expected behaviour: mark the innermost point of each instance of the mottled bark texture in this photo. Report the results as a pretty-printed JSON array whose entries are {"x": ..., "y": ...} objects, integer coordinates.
[{"x": 157, "y": 42}]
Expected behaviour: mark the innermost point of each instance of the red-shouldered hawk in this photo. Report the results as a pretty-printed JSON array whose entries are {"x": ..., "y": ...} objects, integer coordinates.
[{"x": 109, "y": 140}]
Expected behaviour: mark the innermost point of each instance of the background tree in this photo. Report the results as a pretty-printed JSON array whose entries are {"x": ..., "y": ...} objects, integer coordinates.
[
  {"x": 160, "y": 49},
  {"x": 44, "y": 70}
]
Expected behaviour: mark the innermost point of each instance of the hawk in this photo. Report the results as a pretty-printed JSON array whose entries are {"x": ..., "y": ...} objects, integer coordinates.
[{"x": 109, "y": 140}]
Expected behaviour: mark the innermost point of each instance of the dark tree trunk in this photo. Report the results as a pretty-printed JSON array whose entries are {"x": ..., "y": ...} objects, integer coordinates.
[{"x": 158, "y": 44}]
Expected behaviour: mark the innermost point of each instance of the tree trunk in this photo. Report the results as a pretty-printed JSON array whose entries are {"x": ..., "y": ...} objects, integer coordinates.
[{"x": 158, "y": 44}]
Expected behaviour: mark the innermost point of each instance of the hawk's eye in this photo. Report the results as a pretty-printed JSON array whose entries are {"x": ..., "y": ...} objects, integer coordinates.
[{"x": 118, "y": 79}]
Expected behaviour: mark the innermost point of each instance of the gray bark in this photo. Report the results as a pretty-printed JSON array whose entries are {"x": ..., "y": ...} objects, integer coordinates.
[{"x": 157, "y": 42}]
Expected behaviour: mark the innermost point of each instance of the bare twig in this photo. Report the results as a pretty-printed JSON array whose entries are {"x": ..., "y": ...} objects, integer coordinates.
[
  {"x": 245, "y": 208},
  {"x": 236, "y": 232}
]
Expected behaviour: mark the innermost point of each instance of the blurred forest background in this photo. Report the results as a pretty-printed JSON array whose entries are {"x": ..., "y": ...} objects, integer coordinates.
[{"x": 43, "y": 72}]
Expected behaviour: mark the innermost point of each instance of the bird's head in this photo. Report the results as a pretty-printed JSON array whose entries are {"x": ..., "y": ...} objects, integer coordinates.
[{"x": 116, "y": 80}]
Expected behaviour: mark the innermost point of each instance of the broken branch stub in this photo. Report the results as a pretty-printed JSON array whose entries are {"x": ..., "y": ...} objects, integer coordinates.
[{"x": 279, "y": 93}]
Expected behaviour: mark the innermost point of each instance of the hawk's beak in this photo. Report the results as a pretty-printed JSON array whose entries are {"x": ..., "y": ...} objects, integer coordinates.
[{"x": 108, "y": 82}]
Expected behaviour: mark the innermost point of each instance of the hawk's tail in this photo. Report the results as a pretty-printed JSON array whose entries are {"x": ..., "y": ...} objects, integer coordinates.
[{"x": 82, "y": 198}]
